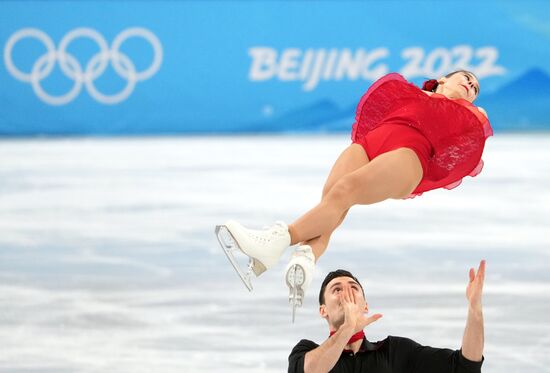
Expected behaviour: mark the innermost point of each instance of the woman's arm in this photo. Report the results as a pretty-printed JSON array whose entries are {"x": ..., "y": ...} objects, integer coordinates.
[{"x": 482, "y": 110}]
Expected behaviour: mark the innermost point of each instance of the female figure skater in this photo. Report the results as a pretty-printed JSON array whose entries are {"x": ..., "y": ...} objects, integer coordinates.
[{"x": 405, "y": 141}]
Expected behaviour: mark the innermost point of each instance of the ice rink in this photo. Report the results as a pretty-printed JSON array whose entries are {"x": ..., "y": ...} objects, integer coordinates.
[{"x": 109, "y": 263}]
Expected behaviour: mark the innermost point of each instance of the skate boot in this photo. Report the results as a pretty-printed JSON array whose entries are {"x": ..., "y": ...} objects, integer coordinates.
[
  {"x": 298, "y": 275},
  {"x": 262, "y": 247}
]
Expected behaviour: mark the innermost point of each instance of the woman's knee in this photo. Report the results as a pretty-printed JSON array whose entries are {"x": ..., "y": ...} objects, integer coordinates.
[
  {"x": 343, "y": 191},
  {"x": 326, "y": 188},
  {"x": 350, "y": 160}
]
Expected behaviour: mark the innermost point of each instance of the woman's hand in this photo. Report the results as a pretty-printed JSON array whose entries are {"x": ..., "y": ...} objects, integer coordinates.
[{"x": 482, "y": 110}]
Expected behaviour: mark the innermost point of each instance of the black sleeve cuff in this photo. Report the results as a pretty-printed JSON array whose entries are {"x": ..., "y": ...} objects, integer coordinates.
[
  {"x": 297, "y": 356},
  {"x": 469, "y": 365}
]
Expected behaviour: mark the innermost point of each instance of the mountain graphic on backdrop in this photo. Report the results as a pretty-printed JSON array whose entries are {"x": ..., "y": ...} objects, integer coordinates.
[
  {"x": 318, "y": 116},
  {"x": 522, "y": 104}
]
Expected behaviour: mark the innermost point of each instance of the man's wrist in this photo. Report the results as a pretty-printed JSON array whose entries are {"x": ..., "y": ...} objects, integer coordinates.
[
  {"x": 475, "y": 310},
  {"x": 347, "y": 329}
]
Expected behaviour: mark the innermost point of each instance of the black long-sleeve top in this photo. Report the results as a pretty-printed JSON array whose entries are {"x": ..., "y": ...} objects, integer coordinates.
[{"x": 391, "y": 355}]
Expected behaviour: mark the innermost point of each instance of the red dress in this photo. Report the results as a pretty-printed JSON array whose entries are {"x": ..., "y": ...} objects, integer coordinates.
[{"x": 448, "y": 135}]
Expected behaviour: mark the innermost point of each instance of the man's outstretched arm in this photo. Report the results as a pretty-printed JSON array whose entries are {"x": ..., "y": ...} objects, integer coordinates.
[
  {"x": 410, "y": 356},
  {"x": 473, "y": 340}
]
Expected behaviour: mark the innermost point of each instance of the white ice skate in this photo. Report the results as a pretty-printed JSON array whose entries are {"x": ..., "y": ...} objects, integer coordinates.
[
  {"x": 262, "y": 247},
  {"x": 298, "y": 275}
]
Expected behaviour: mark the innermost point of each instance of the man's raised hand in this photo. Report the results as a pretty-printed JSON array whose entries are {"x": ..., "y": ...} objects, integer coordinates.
[
  {"x": 475, "y": 286},
  {"x": 355, "y": 315}
]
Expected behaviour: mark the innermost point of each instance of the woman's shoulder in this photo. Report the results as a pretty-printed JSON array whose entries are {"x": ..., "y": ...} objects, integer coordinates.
[
  {"x": 393, "y": 82},
  {"x": 391, "y": 77}
]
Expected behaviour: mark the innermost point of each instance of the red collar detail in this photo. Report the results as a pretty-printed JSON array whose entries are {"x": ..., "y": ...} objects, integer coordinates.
[{"x": 354, "y": 338}]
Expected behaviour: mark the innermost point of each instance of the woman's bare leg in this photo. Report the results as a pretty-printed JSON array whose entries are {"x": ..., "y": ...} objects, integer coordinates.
[
  {"x": 352, "y": 158},
  {"x": 394, "y": 174},
  {"x": 319, "y": 244}
]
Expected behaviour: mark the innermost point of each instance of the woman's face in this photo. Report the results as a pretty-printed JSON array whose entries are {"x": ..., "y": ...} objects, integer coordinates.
[{"x": 459, "y": 85}]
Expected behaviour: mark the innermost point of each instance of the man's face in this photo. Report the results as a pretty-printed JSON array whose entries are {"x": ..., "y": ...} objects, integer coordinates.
[{"x": 332, "y": 310}]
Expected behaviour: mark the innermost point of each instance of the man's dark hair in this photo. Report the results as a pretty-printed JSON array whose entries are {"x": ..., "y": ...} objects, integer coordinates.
[{"x": 331, "y": 276}]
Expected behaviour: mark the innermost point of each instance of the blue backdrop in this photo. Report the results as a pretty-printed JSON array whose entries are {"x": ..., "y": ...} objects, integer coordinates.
[{"x": 128, "y": 67}]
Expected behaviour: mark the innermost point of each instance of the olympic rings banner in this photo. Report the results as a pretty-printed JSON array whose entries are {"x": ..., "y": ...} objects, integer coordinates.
[
  {"x": 128, "y": 67},
  {"x": 72, "y": 69}
]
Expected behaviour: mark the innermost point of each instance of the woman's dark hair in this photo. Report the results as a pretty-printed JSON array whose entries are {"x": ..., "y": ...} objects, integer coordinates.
[
  {"x": 431, "y": 85},
  {"x": 331, "y": 276}
]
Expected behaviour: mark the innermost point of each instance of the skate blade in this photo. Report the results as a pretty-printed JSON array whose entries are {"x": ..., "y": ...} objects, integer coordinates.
[
  {"x": 230, "y": 247},
  {"x": 295, "y": 278}
]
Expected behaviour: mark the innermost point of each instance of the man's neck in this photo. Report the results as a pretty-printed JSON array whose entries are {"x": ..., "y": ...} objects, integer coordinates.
[{"x": 356, "y": 341}]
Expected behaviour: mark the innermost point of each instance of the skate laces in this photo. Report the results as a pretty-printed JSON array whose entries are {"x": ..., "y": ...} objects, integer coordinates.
[
  {"x": 277, "y": 230},
  {"x": 280, "y": 228},
  {"x": 304, "y": 251}
]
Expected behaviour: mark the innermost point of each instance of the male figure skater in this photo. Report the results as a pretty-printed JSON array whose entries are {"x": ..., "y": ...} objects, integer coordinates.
[{"x": 342, "y": 303}]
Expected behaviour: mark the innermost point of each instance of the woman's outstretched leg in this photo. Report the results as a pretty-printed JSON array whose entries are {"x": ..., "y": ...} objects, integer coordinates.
[
  {"x": 394, "y": 174},
  {"x": 352, "y": 158},
  {"x": 319, "y": 244},
  {"x": 391, "y": 175}
]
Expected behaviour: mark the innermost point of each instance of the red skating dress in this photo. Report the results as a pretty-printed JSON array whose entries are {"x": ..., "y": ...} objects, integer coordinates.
[{"x": 448, "y": 135}]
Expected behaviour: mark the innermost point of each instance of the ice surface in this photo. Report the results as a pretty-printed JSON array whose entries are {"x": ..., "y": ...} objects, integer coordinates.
[{"x": 108, "y": 260}]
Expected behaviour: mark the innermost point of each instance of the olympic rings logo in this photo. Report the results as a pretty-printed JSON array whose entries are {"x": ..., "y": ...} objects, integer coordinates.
[{"x": 71, "y": 67}]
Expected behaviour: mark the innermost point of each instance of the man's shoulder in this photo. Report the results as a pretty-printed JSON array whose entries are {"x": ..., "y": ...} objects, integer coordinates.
[
  {"x": 305, "y": 345},
  {"x": 390, "y": 341},
  {"x": 400, "y": 341}
]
